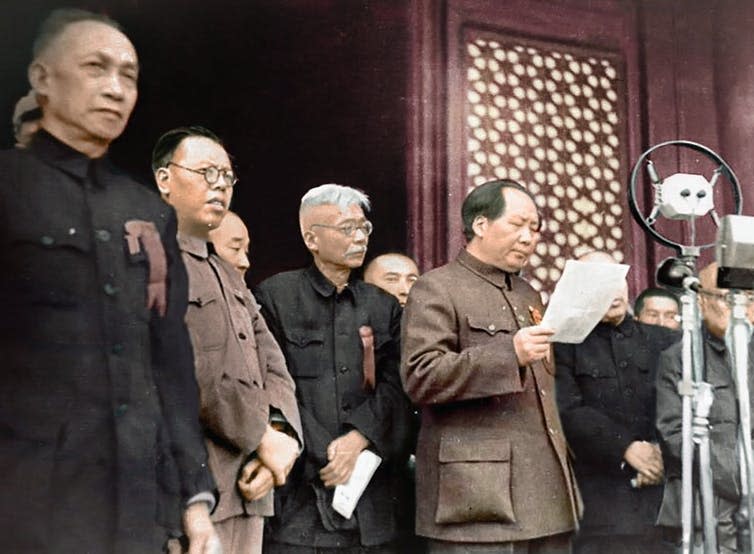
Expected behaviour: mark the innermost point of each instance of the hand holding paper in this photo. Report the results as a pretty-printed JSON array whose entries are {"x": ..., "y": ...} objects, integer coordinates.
[{"x": 581, "y": 298}]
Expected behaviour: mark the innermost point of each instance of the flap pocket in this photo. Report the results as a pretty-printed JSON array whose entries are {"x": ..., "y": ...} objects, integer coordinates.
[
  {"x": 302, "y": 339},
  {"x": 304, "y": 352},
  {"x": 474, "y": 481},
  {"x": 489, "y": 325}
]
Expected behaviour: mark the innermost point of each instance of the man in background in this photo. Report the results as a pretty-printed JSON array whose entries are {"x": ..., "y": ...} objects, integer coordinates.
[
  {"x": 26, "y": 119},
  {"x": 723, "y": 416},
  {"x": 394, "y": 273},
  {"x": 658, "y": 307},
  {"x": 340, "y": 337},
  {"x": 247, "y": 400},
  {"x": 100, "y": 444},
  {"x": 606, "y": 396},
  {"x": 231, "y": 242}
]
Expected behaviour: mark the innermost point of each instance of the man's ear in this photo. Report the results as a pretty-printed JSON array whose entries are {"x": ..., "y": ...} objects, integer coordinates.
[
  {"x": 162, "y": 177},
  {"x": 39, "y": 75},
  {"x": 479, "y": 225},
  {"x": 310, "y": 240}
]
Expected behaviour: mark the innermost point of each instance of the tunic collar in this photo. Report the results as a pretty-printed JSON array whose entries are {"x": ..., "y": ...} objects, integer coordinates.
[
  {"x": 324, "y": 287},
  {"x": 625, "y": 327},
  {"x": 65, "y": 158},
  {"x": 197, "y": 247},
  {"x": 492, "y": 274}
]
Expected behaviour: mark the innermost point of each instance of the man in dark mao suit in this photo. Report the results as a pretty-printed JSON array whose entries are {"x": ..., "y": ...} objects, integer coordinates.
[
  {"x": 340, "y": 339},
  {"x": 492, "y": 466},
  {"x": 100, "y": 443},
  {"x": 606, "y": 395}
]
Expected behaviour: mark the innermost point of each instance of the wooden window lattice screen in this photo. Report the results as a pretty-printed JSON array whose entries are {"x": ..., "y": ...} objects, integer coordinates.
[{"x": 549, "y": 116}]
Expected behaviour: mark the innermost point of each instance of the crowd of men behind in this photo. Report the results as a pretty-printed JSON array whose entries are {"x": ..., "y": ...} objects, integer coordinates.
[{"x": 150, "y": 402}]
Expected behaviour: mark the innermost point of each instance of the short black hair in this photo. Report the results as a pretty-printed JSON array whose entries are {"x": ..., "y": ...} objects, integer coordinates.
[
  {"x": 487, "y": 200},
  {"x": 169, "y": 142},
  {"x": 654, "y": 292},
  {"x": 57, "y": 22}
]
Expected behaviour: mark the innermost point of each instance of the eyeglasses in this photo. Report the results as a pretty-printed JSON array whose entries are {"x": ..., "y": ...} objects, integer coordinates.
[
  {"x": 212, "y": 174},
  {"x": 348, "y": 229}
]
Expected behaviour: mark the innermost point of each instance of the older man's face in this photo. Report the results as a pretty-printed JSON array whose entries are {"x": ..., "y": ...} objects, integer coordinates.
[
  {"x": 89, "y": 84},
  {"x": 328, "y": 237}
]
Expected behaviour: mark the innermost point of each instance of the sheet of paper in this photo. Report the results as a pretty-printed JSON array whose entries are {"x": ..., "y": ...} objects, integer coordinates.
[
  {"x": 581, "y": 298},
  {"x": 347, "y": 495}
]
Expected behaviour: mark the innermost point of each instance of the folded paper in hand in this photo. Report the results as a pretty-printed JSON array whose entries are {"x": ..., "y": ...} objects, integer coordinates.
[{"x": 347, "y": 495}]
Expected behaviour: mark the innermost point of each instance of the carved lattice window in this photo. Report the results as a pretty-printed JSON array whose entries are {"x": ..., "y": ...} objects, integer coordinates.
[{"x": 550, "y": 117}]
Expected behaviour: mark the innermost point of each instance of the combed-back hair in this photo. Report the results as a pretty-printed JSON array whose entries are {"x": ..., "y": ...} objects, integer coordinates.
[
  {"x": 487, "y": 200},
  {"x": 654, "y": 292},
  {"x": 338, "y": 195},
  {"x": 57, "y": 22},
  {"x": 168, "y": 143}
]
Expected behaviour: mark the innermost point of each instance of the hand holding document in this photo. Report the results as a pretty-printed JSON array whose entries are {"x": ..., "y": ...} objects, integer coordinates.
[
  {"x": 347, "y": 495},
  {"x": 582, "y": 297}
]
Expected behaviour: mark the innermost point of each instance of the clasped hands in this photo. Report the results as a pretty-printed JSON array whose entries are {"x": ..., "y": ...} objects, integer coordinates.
[
  {"x": 274, "y": 460},
  {"x": 342, "y": 454},
  {"x": 646, "y": 458}
]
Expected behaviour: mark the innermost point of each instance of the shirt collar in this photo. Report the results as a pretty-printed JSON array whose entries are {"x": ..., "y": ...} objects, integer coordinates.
[
  {"x": 323, "y": 286},
  {"x": 197, "y": 247},
  {"x": 60, "y": 155},
  {"x": 625, "y": 327},
  {"x": 495, "y": 275}
]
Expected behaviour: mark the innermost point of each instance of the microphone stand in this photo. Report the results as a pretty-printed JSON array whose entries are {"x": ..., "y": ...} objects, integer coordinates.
[
  {"x": 737, "y": 341},
  {"x": 696, "y": 397}
]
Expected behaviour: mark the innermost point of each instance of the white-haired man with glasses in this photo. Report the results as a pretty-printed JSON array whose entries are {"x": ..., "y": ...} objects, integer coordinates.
[
  {"x": 340, "y": 337},
  {"x": 247, "y": 399}
]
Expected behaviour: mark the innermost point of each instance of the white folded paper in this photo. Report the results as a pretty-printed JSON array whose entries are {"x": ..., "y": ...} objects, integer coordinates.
[
  {"x": 347, "y": 495},
  {"x": 581, "y": 298}
]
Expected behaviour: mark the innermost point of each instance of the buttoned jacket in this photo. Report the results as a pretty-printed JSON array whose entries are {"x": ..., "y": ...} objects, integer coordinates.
[
  {"x": 95, "y": 384},
  {"x": 606, "y": 395},
  {"x": 723, "y": 420},
  {"x": 240, "y": 369},
  {"x": 492, "y": 464},
  {"x": 318, "y": 330}
]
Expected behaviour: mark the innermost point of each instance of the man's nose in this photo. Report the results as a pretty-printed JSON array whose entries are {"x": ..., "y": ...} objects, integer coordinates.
[
  {"x": 243, "y": 262},
  {"x": 360, "y": 235},
  {"x": 115, "y": 87},
  {"x": 525, "y": 236}
]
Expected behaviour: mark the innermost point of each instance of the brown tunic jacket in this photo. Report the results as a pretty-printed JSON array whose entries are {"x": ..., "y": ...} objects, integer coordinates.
[
  {"x": 491, "y": 462},
  {"x": 240, "y": 370}
]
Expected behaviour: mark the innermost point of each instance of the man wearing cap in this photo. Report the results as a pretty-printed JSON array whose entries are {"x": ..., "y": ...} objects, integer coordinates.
[{"x": 100, "y": 444}]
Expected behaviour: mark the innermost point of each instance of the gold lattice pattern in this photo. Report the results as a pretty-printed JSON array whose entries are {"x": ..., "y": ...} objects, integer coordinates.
[{"x": 550, "y": 120}]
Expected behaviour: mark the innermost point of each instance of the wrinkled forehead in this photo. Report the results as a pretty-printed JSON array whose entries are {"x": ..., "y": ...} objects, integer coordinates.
[
  {"x": 331, "y": 213},
  {"x": 91, "y": 37},
  {"x": 398, "y": 264}
]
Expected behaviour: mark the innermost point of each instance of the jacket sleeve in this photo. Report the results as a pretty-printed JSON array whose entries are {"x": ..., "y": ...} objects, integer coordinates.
[
  {"x": 434, "y": 367},
  {"x": 315, "y": 437},
  {"x": 173, "y": 365},
  {"x": 281, "y": 390},
  {"x": 385, "y": 415},
  {"x": 669, "y": 416},
  {"x": 594, "y": 436}
]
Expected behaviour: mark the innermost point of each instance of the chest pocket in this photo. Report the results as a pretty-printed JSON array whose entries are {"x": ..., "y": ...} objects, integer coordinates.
[
  {"x": 205, "y": 311},
  {"x": 305, "y": 352},
  {"x": 483, "y": 330},
  {"x": 47, "y": 258}
]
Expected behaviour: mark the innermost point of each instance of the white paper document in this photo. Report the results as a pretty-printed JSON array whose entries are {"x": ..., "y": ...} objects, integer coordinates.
[
  {"x": 347, "y": 495},
  {"x": 582, "y": 297}
]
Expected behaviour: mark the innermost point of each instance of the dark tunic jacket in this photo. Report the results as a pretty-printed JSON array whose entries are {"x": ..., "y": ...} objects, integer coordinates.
[
  {"x": 99, "y": 431},
  {"x": 606, "y": 396},
  {"x": 723, "y": 419},
  {"x": 491, "y": 460},
  {"x": 318, "y": 330}
]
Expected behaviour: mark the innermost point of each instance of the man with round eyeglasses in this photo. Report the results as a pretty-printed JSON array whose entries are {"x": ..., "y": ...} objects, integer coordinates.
[
  {"x": 247, "y": 400},
  {"x": 340, "y": 337}
]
